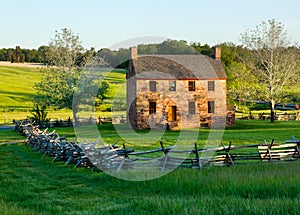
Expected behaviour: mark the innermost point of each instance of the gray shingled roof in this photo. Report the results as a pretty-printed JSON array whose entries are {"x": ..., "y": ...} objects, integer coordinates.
[{"x": 177, "y": 67}]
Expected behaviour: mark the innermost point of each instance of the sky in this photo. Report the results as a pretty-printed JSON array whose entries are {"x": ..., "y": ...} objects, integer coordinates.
[{"x": 100, "y": 24}]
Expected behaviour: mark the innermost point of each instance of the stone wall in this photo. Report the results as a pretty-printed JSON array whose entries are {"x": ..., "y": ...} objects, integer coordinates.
[{"x": 180, "y": 98}]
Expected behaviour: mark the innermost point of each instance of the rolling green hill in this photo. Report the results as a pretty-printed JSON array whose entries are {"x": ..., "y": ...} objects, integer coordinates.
[{"x": 17, "y": 92}]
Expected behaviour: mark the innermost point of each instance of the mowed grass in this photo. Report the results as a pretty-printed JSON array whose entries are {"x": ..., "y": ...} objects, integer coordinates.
[
  {"x": 245, "y": 132},
  {"x": 31, "y": 185},
  {"x": 17, "y": 93}
]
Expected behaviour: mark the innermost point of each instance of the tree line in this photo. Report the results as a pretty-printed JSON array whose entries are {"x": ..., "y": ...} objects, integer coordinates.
[{"x": 21, "y": 55}]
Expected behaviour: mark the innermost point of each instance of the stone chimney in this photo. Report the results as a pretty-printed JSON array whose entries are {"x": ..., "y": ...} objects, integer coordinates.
[
  {"x": 217, "y": 53},
  {"x": 133, "y": 52}
]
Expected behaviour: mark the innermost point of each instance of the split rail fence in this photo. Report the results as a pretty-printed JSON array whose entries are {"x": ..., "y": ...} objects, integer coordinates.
[{"x": 111, "y": 157}]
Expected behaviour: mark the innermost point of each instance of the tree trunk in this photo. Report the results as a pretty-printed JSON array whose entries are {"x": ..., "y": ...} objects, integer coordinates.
[{"x": 272, "y": 108}]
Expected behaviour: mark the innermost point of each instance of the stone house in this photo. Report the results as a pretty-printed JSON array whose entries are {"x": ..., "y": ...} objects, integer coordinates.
[{"x": 177, "y": 91}]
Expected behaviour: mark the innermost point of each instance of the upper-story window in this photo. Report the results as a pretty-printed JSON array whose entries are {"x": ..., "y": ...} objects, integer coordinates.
[
  {"x": 211, "y": 86},
  {"x": 152, "y": 86},
  {"x": 172, "y": 85},
  {"x": 192, "y": 86}
]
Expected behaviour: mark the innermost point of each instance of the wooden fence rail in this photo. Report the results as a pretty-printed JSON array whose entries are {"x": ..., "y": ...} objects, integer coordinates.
[{"x": 111, "y": 157}]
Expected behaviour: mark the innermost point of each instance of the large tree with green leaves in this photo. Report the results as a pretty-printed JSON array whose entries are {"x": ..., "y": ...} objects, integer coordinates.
[
  {"x": 64, "y": 57},
  {"x": 273, "y": 59},
  {"x": 240, "y": 80},
  {"x": 240, "y": 83}
]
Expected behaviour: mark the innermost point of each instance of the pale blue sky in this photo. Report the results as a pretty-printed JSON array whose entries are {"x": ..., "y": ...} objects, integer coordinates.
[{"x": 32, "y": 23}]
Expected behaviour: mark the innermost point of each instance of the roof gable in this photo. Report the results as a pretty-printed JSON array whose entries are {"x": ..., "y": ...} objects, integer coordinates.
[{"x": 177, "y": 67}]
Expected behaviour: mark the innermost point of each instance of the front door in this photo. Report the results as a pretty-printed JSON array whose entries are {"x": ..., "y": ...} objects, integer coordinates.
[{"x": 172, "y": 113}]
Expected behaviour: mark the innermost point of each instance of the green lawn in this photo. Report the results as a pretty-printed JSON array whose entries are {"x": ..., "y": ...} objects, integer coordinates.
[
  {"x": 245, "y": 132},
  {"x": 8, "y": 135},
  {"x": 31, "y": 185},
  {"x": 17, "y": 92}
]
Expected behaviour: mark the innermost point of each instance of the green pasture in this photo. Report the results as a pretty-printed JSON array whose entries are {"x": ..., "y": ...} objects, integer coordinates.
[
  {"x": 17, "y": 92},
  {"x": 31, "y": 185},
  {"x": 245, "y": 132}
]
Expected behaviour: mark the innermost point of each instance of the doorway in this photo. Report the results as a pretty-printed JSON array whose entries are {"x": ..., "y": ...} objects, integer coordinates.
[{"x": 172, "y": 115}]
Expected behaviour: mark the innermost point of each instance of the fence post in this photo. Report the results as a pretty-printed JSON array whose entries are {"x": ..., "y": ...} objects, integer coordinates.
[
  {"x": 165, "y": 151},
  {"x": 197, "y": 156},
  {"x": 227, "y": 150}
]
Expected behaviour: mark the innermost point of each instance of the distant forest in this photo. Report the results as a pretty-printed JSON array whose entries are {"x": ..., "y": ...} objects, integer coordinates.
[
  {"x": 19, "y": 55},
  {"x": 113, "y": 58}
]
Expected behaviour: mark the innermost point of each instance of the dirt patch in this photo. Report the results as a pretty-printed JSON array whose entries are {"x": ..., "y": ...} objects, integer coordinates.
[{"x": 30, "y": 65}]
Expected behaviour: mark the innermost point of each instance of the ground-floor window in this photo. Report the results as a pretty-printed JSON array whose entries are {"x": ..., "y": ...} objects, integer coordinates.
[
  {"x": 192, "y": 108},
  {"x": 152, "y": 107},
  {"x": 211, "y": 106}
]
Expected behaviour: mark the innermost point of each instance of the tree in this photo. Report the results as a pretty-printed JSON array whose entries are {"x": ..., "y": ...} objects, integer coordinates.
[
  {"x": 109, "y": 56},
  {"x": 175, "y": 47},
  {"x": 273, "y": 59},
  {"x": 229, "y": 53},
  {"x": 149, "y": 49},
  {"x": 122, "y": 57},
  {"x": 18, "y": 56},
  {"x": 42, "y": 50},
  {"x": 240, "y": 82},
  {"x": 203, "y": 49},
  {"x": 39, "y": 113},
  {"x": 31, "y": 55},
  {"x": 64, "y": 60}
]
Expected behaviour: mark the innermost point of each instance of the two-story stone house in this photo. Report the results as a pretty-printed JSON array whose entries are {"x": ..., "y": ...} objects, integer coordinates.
[{"x": 177, "y": 91}]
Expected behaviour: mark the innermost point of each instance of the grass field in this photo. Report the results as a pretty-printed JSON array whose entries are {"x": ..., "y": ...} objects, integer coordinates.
[
  {"x": 245, "y": 132},
  {"x": 31, "y": 185},
  {"x": 17, "y": 92}
]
